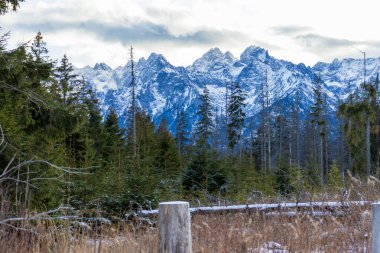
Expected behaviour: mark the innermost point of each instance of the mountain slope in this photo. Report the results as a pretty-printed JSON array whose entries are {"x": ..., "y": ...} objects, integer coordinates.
[{"x": 163, "y": 90}]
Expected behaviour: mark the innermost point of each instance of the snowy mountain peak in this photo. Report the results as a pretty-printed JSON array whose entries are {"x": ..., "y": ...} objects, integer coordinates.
[
  {"x": 102, "y": 66},
  {"x": 213, "y": 53},
  {"x": 155, "y": 62},
  {"x": 164, "y": 89},
  {"x": 153, "y": 57},
  {"x": 254, "y": 53},
  {"x": 228, "y": 54},
  {"x": 212, "y": 60}
]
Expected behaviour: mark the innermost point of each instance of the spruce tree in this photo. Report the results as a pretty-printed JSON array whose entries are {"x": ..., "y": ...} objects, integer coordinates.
[
  {"x": 354, "y": 128},
  {"x": 41, "y": 62},
  {"x": 236, "y": 115},
  {"x": 205, "y": 124},
  {"x": 143, "y": 178},
  {"x": 319, "y": 122},
  {"x": 167, "y": 156},
  {"x": 67, "y": 80},
  {"x": 115, "y": 136},
  {"x": 334, "y": 179},
  {"x": 377, "y": 122},
  {"x": 182, "y": 135},
  {"x": 203, "y": 173},
  {"x": 38, "y": 48},
  {"x": 370, "y": 114},
  {"x": 133, "y": 102}
]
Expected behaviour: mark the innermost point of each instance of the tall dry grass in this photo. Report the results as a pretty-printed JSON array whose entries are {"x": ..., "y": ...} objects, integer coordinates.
[
  {"x": 221, "y": 233},
  {"x": 248, "y": 232}
]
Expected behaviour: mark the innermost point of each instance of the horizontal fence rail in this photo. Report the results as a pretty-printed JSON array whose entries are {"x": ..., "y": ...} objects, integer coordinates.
[{"x": 269, "y": 207}]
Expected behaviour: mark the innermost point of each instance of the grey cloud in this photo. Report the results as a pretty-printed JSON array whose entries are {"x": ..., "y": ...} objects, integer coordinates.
[
  {"x": 137, "y": 33},
  {"x": 165, "y": 13},
  {"x": 375, "y": 44},
  {"x": 335, "y": 47},
  {"x": 321, "y": 42},
  {"x": 289, "y": 29}
]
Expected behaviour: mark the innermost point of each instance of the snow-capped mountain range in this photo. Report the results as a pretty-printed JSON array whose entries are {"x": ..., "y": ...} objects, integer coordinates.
[{"x": 163, "y": 90}]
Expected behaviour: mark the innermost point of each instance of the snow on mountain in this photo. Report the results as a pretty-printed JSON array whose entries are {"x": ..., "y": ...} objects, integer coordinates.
[
  {"x": 100, "y": 76},
  {"x": 163, "y": 90},
  {"x": 213, "y": 63},
  {"x": 342, "y": 77}
]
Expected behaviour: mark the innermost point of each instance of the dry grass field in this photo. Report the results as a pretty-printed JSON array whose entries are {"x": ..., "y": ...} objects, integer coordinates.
[
  {"x": 221, "y": 233},
  {"x": 348, "y": 230}
]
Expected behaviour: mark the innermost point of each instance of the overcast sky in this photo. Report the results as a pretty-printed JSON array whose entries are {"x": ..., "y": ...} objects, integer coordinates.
[{"x": 91, "y": 31}]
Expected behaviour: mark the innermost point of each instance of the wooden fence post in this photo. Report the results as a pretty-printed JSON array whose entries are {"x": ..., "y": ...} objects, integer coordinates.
[
  {"x": 175, "y": 227},
  {"x": 375, "y": 228}
]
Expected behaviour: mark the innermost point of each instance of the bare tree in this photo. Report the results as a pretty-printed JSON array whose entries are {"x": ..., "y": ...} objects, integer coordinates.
[
  {"x": 133, "y": 103},
  {"x": 12, "y": 174}
]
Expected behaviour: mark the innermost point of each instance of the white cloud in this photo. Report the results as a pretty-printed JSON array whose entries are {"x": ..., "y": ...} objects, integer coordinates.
[{"x": 182, "y": 30}]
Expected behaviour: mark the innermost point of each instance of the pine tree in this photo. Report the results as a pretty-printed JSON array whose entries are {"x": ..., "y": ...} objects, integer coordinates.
[
  {"x": 377, "y": 121},
  {"x": 283, "y": 178},
  {"x": 95, "y": 126},
  {"x": 354, "y": 128},
  {"x": 43, "y": 66},
  {"x": 334, "y": 179},
  {"x": 370, "y": 115},
  {"x": 133, "y": 102},
  {"x": 203, "y": 173},
  {"x": 38, "y": 48},
  {"x": 167, "y": 157},
  {"x": 67, "y": 81},
  {"x": 115, "y": 138},
  {"x": 145, "y": 144},
  {"x": 236, "y": 115},
  {"x": 319, "y": 122},
  {"x": 143, "y": 177},
  {"x": 182, "y": 135},
  {"x": 205, "y": 124},
  {"x": 295, "y": 131}
]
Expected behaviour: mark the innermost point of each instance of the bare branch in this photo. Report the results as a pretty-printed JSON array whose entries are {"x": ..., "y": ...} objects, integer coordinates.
[
  {"x": 32, "y": 96},
  {"x": 18, "y": 228},
  {"x": 2, "y": 136},
  {"x": 7, "y": 170},
  {"x": 38, "y": 216}
]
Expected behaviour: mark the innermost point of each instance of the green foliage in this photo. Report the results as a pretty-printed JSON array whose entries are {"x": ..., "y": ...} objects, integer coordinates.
[
  {"x": 236, "y": 115},
  {"x": 297, "y": 182},
  {"x": 203, "y": 173},
  {"x": 205, "y": 124},
  {"x": 264, "y": 183},
  {"x": 355, "y": 113},
  {"x": 240, "y": 177},
  {"x": 66, "y": 89},
  {"x": 283, "y": 179},
  {"x": 6, "y": 5},
  {"x": 311, "y": 173},
  {"x": 182, "y": 136},
  {"x": 334, "y": 179},
  {"x": 167, "y": 161}
]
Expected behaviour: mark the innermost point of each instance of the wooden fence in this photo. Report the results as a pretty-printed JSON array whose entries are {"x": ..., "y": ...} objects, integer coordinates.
[{"x": 175, "y": 222}]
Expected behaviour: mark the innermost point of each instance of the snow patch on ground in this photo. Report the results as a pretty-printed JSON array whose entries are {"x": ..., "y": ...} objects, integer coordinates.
[{"x": 269, "y": 247}]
